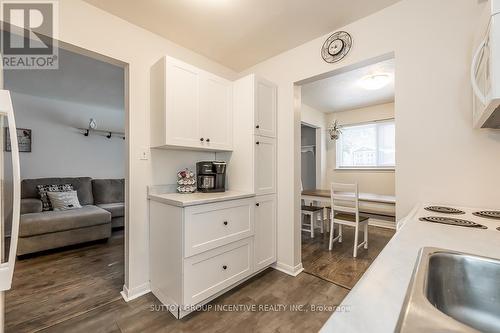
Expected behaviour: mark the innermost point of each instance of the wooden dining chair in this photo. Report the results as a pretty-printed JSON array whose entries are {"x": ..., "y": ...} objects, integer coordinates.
[
  {"x": 315, "y": 214},
  {"x": 345, "y": 211}
]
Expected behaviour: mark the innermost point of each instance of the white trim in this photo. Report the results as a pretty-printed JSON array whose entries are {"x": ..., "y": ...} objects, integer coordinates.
[
  {"x": 287, "y": 269},
  {"x": 131, "y": 294}
]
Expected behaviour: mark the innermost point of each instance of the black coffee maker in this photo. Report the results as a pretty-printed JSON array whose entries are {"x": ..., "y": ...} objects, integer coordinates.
[{"x": 211, "y": 176}]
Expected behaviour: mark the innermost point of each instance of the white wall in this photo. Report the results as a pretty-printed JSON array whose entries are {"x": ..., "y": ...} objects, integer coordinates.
[
  {"x": 59, "y": 149},
  {"x": 90, "y": 28},
  {"x": 440, "y": 158},
  {"x": 370, "y": 181}
]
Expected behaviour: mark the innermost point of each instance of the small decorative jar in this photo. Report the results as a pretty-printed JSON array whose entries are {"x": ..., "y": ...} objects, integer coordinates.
[{"x": 186, "y": 181}]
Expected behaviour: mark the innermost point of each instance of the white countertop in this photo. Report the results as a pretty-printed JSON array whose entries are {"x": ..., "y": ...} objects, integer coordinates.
[
  {"x": 198, "y": 198},
  {"x": 374, "y": 304}
]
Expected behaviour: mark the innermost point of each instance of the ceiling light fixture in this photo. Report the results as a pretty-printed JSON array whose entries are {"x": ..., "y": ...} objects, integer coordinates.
[{"x": 375, "y": 81}]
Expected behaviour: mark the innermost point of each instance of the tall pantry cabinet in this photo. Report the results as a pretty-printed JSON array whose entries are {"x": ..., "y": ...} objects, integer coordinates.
[{"x": 253, "y": 162}]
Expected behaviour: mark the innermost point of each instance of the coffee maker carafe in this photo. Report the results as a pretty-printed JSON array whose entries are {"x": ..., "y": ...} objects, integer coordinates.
[{"x": 211, "y": 176}]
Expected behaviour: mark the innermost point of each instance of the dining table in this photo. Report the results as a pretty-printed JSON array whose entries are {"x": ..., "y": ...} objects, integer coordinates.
[{"x": 369, "y": 203}]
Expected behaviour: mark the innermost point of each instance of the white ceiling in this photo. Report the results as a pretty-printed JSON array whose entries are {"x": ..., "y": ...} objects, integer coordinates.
[
  {"x": 343, "y": 91},
  {"x": 241, "y": 33},
  {"x": 79, "y": 79}
]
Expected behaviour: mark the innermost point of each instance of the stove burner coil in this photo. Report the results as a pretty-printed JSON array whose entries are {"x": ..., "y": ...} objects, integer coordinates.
[
  {"x": 489, "y": 214},
  {"x": 452, "y": 221},
  {"x": 444, "y": 210}
]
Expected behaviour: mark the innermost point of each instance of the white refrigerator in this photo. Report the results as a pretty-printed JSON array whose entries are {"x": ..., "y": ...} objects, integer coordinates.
[{"x": 10, "y": 190}]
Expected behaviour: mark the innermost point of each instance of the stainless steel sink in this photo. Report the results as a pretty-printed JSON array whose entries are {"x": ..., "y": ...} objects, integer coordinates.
[{"x": 452, "y": 292}]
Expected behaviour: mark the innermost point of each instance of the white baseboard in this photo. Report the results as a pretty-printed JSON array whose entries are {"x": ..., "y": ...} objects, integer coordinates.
[
  {"x": 382, "y": 223},
  {"x": 287, "y": 269},
  {"x": 130, "y": 294}
]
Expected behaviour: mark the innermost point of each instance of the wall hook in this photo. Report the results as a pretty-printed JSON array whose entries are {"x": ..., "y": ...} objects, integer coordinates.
[{"x": 109, "y": 135}]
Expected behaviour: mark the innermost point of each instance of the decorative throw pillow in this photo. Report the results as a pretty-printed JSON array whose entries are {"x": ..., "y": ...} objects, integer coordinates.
[
  {"x": 64, "y": 200},
  {"x": 43, "y": 189}
]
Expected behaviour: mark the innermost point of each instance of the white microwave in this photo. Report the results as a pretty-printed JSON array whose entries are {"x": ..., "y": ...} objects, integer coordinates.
[{"x": 485, "y": 72}]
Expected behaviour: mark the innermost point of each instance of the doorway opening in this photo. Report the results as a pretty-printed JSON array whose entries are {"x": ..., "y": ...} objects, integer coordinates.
[
  {"x": 347, "y": 149},
  {"x": 71, "y": 249},
  {"x": 308, "y": 153}
]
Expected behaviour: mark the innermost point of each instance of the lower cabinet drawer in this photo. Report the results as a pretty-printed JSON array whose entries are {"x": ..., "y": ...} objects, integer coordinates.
[
  {"x": 209, "y": 226},
  {"x": 208, "y": 273}
]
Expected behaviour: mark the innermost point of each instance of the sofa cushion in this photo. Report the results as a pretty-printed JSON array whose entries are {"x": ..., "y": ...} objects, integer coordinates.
[
  {"x": 64, "y": 200},
  {"x": 116, "y": 209},
  {"x": 83, "y": 185},
  {"x": 31, "y": 206},
  {"x": 43, "y": 191},
  {"x": 47, "y": 222},
  {"x": 106, "y": 191}
]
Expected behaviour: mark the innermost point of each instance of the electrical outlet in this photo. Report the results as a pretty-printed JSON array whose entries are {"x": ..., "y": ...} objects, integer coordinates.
[{"x": 144, "y": 154}]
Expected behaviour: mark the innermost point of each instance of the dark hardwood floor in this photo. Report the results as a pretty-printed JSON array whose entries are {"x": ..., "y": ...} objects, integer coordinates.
[
  {"x": 77, "y": 290},
  {"x": 339, "y": 266},
  {"x": 50, "y": 288}
]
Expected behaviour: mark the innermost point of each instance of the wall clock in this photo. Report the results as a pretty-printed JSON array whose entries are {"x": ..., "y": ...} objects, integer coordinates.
[{"x": 336, "y": 47}]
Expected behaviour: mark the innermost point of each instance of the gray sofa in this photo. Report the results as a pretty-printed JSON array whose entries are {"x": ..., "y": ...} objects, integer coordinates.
[{"x": 43, "y": 230}]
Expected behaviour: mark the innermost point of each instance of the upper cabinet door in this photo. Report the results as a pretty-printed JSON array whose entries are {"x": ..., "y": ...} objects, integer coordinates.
[
  {"x": 265, "y": 165},
  {"x": 265, "y": 108},
  {"x": 182, "y": 106},
  {"x": 216, "y": 112}
]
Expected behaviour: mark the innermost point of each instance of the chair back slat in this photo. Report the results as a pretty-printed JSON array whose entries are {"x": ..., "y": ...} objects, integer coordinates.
[
  {"x": 344, "y": 209},
  {"x": 345, "y": 198}
]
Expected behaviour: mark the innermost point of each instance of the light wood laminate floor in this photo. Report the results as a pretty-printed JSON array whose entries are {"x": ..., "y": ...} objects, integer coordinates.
[
  {"x": 53, "y": 287},
  {"x": 270, "y": 288},
  {"x": 77, "y": 290},
  {"x": 339, "y": 266}
]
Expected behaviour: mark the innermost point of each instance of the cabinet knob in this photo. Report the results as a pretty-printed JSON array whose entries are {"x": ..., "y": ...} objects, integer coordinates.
[
  {"x": 201, "y": 139},
  {"x": 224, "y": 267},
  {"x": 257, "y": 143},
  {"x": 208, "y": 139},
  {"x": 257, "y": 204},
  {"x": 225, "y": 222},
  {"x": 257, "y": 126}
]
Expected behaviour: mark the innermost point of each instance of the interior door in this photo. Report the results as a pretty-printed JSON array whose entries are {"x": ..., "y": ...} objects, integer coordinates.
[
  {"x": 9, "y": 196},
  {"x": 216, "y": 112}
]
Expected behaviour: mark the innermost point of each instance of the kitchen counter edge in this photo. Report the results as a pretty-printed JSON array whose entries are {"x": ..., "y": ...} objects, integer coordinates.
[{"x": 198, "y": 198}]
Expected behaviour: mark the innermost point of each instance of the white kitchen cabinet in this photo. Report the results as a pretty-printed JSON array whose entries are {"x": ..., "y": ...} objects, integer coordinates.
[
  {"x": 198, "y": 252},
  {"x": 265, "y": 165},
  {"x": 182, "y": 106},
  {"x": 253, "y": 164},
  {"x": 265, "y": 231},
  {"x": 213, "y": 271},
  {"x": 216, "y": 112},
  {"x": 212, "y": 225},
  {"x": 190, "y": 108},
  {"x": 265, "y": 108}
]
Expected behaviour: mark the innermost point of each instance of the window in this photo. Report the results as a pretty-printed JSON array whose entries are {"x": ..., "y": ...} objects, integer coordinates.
[{"x": 370, "y": 145}]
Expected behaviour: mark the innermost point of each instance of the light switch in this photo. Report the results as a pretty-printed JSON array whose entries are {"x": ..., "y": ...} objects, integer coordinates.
[{"x": 144, "y": 153}]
